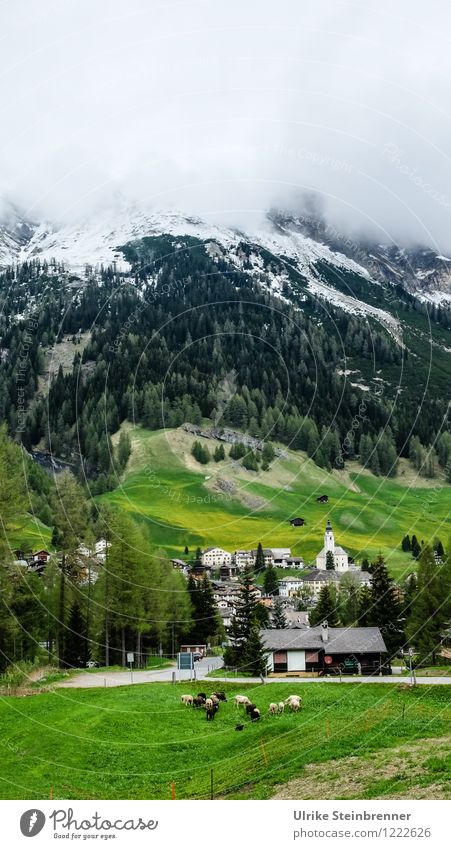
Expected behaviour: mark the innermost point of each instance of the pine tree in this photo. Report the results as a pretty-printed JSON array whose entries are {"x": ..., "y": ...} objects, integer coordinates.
[
  {"x": 405, "y": 544},
  {"x": 330, "y": 562},
  {"x": 259, "y": 559},
  {"x": 271, "y": 581},
  {"x": 415, "y": 547},
  {"x": 246, "y": 615},
  {"x": 219, "y": 454},
  {"x": 326, "y": 607},
  {"x": 278, "y": 618},
  {"x": 254, "y": 653},
  {"x": 365, "y": 615},
  {"x": 386, "y": 609},
  {"x": 76, "y": 644},
  {"x": 429, "y": 607}
]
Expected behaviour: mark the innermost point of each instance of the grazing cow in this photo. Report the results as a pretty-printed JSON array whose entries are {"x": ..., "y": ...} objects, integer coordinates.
[
  {"x": 186, "y": 699},
  {"x": 250, "y": 707},
  {"x": 273, "y": 709},
  {"x": 281, "y": 707},
  {"x": 198, "y": 702},
  {"x": 255, "y": 714},
  {"x": 220, "y": 695},
  {"x": 214, "y": 699},
  {"x": 241, "y": 700}
]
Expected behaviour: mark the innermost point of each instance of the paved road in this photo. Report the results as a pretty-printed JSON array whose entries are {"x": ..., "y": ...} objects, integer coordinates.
[
  {"x": 140, "y": 676},
  {"x": 202, "y": 667}
]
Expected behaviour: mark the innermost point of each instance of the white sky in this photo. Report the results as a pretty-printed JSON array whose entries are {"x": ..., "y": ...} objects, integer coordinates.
[{"x": 225, "y": 108}]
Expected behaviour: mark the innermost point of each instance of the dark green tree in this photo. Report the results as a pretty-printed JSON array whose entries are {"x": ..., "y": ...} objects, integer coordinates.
[
  {"x": 259, "y": 559},
  {"x": 278, "y": 619},
  {"x": 386, "y": 607},
  {"x": 254, "y": 653},
  {"x": 330, "y": 562},
  {"x": 271, "y": 581},
  {"x": 77, "y": 652},
  {"x": 219, "y": 454},
  {"x": 429, "y": 607},
  {"x": 326, "y": 607}
]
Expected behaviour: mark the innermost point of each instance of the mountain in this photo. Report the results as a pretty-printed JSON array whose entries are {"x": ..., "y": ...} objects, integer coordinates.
[
  {"x": 289, "y": 332},
  {"x": 304, "y": 241}
]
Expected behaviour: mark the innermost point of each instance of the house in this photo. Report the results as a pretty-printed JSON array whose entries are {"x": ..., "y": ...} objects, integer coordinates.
[
  {"x": 290, "y": 586},
  {"x": 214, "y": 558},
  {"x": 180, "y": 565},
  {"x": 321, "y": 648},
  {"x": 289, "y": 563},
  {"x": 340, "y": 556},
  {"x": 271, "y": 555},
  {"x": 40, "y": 556},
  {"x": 323, "y": 499},
  {"x": 242, "y": 558},
  {"x": 298, "y": 522},
  {"x": 318, "y": 577},
  {"x": 101, "y": 548}
]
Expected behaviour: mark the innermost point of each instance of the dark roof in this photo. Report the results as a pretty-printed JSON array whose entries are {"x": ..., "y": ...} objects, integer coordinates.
[
  {"x": 341, "y": 640},
  {"x": 324, "y": 575}
]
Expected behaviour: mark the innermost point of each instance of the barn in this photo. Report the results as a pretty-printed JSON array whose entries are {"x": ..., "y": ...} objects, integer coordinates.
[{"x": 322, "y": 649}]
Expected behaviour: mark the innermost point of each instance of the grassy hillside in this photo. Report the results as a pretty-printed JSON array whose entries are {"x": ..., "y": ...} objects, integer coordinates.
[
  {"x": 132, "y": 742},
  {"x": 180, "y": 502}
]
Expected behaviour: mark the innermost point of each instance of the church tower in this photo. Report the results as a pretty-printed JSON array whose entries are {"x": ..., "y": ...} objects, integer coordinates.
[{"x": 329, "y": 541}]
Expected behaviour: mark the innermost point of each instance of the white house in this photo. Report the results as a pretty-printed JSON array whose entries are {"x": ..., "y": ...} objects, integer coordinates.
[
  {"x": 341, "y": 560},
  {"x": 290, "y": 586},
  {"x": 289, "y": 562},
  {"x": 214, "y": 558}
]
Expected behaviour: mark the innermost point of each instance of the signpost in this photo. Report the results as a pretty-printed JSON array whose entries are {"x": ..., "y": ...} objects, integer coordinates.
[
  {"x": 185, "y": 660},
  {"x": 131, "y": 660}
]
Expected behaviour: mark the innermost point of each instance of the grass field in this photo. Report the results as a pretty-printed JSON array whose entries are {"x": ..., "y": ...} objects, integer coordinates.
[
  {"x": 182, "y": 503},
  {"x": 134, "y": 741}
]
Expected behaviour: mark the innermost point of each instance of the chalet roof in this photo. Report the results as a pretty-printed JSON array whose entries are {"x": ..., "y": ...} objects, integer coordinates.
[{"x": 341, "y": 640}]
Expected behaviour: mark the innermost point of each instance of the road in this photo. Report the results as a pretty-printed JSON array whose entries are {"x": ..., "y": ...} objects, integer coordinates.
[{"x": 202, "y": 667}]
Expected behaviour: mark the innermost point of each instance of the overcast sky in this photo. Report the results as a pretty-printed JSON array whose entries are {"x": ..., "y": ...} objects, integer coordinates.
[{"x": 226, "y": 108}]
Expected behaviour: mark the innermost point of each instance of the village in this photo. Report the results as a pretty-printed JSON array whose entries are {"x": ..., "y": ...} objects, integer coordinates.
[{"x": 224, "y": 569}]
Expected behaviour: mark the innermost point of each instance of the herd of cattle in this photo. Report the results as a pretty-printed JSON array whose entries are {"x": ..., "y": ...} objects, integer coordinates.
[{"x": 211, "y": 705}]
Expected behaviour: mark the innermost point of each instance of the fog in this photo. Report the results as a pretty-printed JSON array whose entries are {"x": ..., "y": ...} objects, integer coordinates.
[{"x": 224, "y": 109}]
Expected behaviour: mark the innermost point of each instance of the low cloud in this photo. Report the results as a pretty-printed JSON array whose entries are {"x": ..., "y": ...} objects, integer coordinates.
[{"x": 227, "y": 109}]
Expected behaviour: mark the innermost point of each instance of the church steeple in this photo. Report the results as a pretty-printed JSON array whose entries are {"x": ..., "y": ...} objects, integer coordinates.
[{"x": 329, "y": 541}]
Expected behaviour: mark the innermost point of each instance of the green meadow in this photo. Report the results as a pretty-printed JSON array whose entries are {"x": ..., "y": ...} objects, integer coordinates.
[
  {"x": 178, "y": 502},
  {"x": 135, "y": 742}
]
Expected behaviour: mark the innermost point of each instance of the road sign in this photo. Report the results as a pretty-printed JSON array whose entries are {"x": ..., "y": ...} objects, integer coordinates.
[
  {"x": 130, "y": 657},
  {"x": 185, "y": 660}
]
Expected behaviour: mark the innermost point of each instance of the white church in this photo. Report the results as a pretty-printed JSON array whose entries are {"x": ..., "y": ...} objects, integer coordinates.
[{"x": 341, "y": 563}]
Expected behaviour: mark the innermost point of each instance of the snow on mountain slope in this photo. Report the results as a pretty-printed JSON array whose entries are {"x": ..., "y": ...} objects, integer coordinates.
[{"x": 95, "y": 241}]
